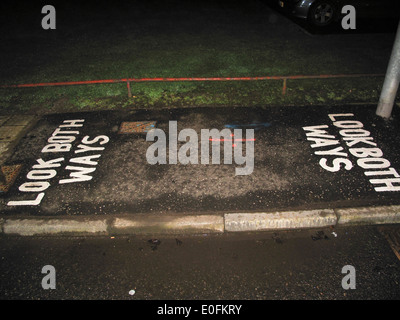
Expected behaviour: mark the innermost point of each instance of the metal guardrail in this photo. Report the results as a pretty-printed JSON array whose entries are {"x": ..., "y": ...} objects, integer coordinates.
[{"x": 128, "y": 81}]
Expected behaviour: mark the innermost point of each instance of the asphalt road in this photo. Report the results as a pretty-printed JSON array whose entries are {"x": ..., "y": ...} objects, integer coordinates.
[
  {"x": 300, "y": 160},
  {"x": 296, "y": 265}
]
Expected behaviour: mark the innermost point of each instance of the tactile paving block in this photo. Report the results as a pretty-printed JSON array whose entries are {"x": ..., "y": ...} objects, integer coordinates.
[
  {"x": 10, "y": 174},
  {"x": 136, "y": 127}
]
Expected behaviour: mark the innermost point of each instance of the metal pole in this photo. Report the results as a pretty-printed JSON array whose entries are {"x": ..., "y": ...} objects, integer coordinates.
[{"x": 391, "y": 83}]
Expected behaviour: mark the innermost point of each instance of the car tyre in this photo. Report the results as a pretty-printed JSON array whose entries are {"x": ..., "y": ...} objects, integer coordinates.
[{"x": 322, "y": 13}]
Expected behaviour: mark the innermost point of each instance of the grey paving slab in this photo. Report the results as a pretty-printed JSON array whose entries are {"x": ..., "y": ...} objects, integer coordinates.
[
  {"x": 10, "y": 133},
  {"x": 20, "y": 120}
]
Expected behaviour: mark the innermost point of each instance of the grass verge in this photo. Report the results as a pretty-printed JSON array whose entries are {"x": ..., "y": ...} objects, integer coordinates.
[
  {"x": 176, "y": 38},
  {"x": 189, "y": 94}
]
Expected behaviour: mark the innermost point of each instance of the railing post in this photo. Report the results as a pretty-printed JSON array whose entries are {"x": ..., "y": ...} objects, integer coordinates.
[
  {"x": 391, "y": 83},
  {"x": 128, "y": 84},
  {"x": 284, "y": 86}
]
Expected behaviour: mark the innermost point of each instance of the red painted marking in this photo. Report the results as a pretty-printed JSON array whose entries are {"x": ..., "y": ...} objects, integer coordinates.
[
  {"x": 211, "y": 139},
  {"x": 232, "y": 135}
]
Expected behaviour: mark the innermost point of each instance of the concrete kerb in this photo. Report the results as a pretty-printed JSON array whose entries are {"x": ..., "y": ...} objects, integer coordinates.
[
  {"x": 116, "y": 225},
  {"x": 280, "y": 220},
  {"x": 28, "y": 226},
  {"x": 168, "y": 224},
  {"x": 198, "y": 224},
  {"x": 368, "y": 215}
]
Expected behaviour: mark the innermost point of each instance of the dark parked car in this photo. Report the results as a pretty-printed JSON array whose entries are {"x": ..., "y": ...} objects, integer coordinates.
[{"x": 322, "y": 13}]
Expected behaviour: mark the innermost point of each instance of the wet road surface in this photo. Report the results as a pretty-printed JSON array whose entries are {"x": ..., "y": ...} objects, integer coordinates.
[{"x": 296, "y": 265}]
